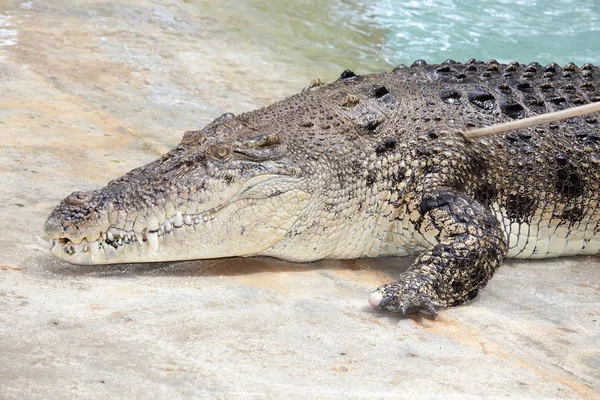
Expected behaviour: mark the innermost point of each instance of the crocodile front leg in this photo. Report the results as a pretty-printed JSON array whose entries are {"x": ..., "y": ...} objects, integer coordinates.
[{"x": 468, "y": 246}]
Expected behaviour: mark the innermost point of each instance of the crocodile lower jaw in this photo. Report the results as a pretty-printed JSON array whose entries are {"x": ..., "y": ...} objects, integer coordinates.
[{"x": 114, "y": 241}]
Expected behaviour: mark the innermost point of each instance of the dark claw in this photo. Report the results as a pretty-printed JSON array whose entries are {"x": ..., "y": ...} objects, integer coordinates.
[
  {"x": 397, "y": 298},
  {"x": 385, "y": 301},
  {"x": 430, "y": 308}
]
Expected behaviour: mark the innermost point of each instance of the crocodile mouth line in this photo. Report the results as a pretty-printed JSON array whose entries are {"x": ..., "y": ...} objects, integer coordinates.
[{"x": 114, "y": 239}]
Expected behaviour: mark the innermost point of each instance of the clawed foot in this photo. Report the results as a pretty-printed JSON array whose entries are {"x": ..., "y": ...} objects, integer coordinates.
[{"x": 403, "y": 298}]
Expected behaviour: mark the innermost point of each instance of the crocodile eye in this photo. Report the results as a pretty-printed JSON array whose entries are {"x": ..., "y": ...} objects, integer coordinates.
[{"x": 222, "y": 152}]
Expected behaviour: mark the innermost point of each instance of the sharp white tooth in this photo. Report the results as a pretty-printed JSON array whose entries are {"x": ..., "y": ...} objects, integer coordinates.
[
  {"x": 187, "y": 220},
  {"x": 110, "y": 236},
  {"x": 120, "y": 242},
  {"x": 81, "y": 247},
  {"x": 77, "y": 247},
  {"x": 205, "y": 218},
  {"x": 47, "y": 244},
  {"x": 168, "y": 227},
  {"x": 94, "y": 246},
  {"x": 139, "y": 238},
  {"x": 178, "y": 221},
  {"x": 103, "y": 234},
  {"x": 152, "y": 240},
  {"x": 196, "y": 221}
]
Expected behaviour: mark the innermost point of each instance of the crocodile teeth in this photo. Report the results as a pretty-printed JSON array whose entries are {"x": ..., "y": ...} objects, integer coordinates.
[
  {"x": 139, "y": 237},
  {"x": 47, "y": 244},
  {"x": 188, "y": 220},
  {"x": 168, "y": 227},
  {"x": 78, "y": 248},
  {"x": 152, "y": 240},
  {"x": 110, "y": 236},
  {"x": 94, "y": 246},
  {"x": 178, "y": 221}
]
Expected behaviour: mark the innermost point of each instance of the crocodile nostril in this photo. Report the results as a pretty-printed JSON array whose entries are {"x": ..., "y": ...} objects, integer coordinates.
[{"x": 77, "y": 198}]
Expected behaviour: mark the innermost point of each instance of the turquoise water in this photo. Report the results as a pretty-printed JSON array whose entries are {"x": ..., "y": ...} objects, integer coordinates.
[
  {"x": 325, "y": 37},
  {"x": 526, "y": 30}
]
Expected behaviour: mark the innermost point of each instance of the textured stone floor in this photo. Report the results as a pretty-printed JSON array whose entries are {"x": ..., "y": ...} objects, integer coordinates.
[{"x": 90, "y": 90}]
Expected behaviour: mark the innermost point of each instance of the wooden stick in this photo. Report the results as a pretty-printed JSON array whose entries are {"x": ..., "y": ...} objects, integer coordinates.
[{"x": 533, "y": 121}]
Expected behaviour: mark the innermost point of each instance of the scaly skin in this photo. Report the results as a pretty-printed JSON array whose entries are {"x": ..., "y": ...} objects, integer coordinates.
[{"x": 368, "y": 166}]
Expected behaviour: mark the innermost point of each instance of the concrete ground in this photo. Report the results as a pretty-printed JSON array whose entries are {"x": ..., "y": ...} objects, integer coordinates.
[{"x": 90, "y": 90}]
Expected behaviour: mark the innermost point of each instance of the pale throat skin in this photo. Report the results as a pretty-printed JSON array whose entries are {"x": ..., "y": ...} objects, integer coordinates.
[{"x": 367, "y": 166}]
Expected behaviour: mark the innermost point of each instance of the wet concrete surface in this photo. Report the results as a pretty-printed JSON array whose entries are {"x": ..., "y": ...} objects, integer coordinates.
[{"x": 91, "y": 90}]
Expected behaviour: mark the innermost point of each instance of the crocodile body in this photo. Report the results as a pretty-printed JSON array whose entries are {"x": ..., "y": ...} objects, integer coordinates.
[{"x": 368, "y": 166}]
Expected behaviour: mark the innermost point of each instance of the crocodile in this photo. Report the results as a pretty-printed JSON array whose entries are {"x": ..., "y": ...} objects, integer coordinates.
[{"x": 368, "y": 166}]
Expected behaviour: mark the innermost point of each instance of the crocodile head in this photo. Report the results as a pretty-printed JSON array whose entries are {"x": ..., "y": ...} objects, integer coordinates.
[
  {"x": 230, "y": 189},
  {"x": 297, "y": 180}
]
